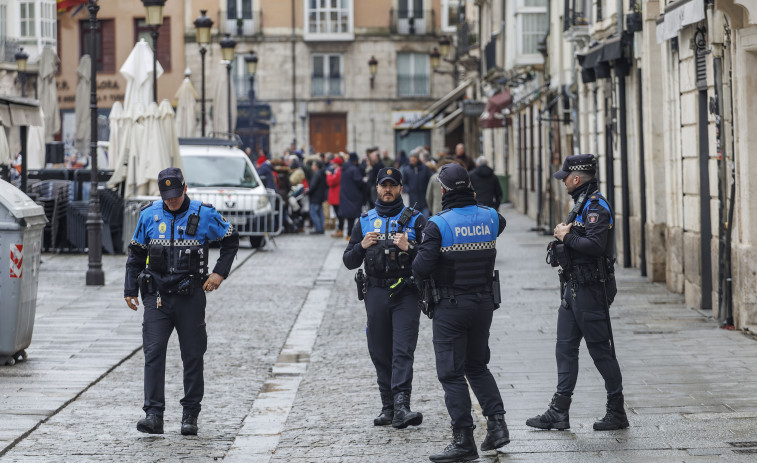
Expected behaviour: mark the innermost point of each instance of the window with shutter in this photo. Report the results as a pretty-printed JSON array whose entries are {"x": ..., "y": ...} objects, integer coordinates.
[{"x": 104, "y": 54}]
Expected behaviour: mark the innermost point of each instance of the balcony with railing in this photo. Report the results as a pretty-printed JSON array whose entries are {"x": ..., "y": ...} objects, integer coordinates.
[
  {"x": 412, "y": 21},
  {"x": 247, "y": 24},
  {"x": 576, "y": 20}
]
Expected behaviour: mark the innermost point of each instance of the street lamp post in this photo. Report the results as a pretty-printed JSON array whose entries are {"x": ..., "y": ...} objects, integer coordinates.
[
  {"x": 251, "y": 60},
  {"x": 21, "y": 60},
  {"x": 154, "y": 19},
  {"x": 227, "y": 54},
  {"x": 203, "y": 25},
  {"x": 437, "y": 54},
  {"x": 373, "y": 69},
  {"x": 95, "y": 274}
]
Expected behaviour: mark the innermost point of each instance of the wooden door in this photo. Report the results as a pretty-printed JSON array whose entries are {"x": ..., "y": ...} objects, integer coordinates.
[{"x": 328, "y": 132}]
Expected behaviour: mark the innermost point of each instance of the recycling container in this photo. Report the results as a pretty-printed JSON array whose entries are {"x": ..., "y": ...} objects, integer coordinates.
[{"x": 22, "y": 222}]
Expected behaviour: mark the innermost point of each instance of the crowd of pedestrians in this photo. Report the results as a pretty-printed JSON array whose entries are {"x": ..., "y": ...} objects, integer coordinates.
[{"x": 333, "y": 189}]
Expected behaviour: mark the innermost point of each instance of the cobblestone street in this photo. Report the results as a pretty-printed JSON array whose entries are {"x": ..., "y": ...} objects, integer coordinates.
[{"x": 288, "y": 377}]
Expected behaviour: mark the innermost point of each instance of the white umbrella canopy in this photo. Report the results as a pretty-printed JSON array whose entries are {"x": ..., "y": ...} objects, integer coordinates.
[
  {"x": 131, "y": 131},
  {"x": 137, "y": 69},
  {"x": 186, "y": 119},
  {"x": 47, "y": 92},
  {"x": 5, "y": 151},
  {"x": 151, "y": 155},
  {"x": 115, "y": 118},
  {"x": 83, "y": 128},
  {"x": 35, "y": 146},
  {"x": 221, "y": 102},
  {"x": 168, "y": 135}
]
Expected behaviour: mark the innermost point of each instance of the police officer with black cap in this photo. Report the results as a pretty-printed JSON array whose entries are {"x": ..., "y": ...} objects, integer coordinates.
[
  {"x": 385, "y": 239},
  {"x": 458, "y": 250},
  {"x": 168, "y": 265},
  {"x": 585, "y": 252}
]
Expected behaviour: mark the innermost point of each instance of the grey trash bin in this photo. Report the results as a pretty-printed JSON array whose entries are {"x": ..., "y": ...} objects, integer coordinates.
[{"x": 21, "y": 224}]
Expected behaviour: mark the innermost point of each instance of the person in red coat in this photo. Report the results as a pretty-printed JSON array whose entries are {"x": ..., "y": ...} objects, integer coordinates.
[{"x": 334, "y": 180}]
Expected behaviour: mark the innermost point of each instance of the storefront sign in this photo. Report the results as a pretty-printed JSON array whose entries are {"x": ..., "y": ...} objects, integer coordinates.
[{"x": 402, "y": 120}]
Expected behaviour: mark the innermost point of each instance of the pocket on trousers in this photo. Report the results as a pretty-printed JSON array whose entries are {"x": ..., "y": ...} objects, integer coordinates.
[
  {"x": 445, "y": 360},
  {"x": 595, "y": 327}
]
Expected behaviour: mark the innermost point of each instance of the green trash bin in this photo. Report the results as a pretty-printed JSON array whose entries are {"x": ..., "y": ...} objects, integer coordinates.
[{"x": 504, "y": 182}]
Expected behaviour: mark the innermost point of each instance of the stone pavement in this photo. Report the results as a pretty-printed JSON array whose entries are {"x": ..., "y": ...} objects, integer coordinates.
[{"x": 288, "y": 377}]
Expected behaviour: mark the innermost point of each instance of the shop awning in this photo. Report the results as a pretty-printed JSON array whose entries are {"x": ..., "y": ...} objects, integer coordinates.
[
  {"x": 452, "y": 120},
  {"x": 492, "y": 116},
  {"x": 677, "y": 16},
  {"x": 597, "y": 60},
  {"x": 15, "y": 112},
  {"x": 441, "y": 104}
]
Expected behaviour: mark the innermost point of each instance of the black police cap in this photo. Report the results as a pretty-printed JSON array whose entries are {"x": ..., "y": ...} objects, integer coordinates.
[
  {"x": 389, "y": 173},
  {"x": 453, "y": 176},
  {"x": 171, "y": 183},
  {"x": 577, "y": 163}
]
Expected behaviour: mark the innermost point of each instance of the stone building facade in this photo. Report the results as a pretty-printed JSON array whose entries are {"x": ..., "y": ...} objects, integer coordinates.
[{"x": 314, "y": 76}]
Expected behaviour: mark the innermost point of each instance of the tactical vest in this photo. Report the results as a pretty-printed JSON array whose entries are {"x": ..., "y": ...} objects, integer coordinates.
[
  {"x": 468, "y": 250},
  {"x": 384, "y": 259},
  {"x": 579, "y": 228},
  {"x": 172, "y": 252}
]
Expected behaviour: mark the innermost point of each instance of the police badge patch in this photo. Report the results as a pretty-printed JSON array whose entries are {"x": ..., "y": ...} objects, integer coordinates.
[{"x": 593, "y": 217}]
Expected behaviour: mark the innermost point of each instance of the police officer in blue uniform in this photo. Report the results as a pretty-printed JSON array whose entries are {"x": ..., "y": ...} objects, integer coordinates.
[
  {"x": 385, "y": 240},
  {"x": 168, "y": 264},
  {"x": 585, "y": 252},
  {"x": 458, "y": 250}
]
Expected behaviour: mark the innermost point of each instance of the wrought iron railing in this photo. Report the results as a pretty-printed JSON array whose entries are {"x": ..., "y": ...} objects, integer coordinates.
[{"x": 412, "y": 21}]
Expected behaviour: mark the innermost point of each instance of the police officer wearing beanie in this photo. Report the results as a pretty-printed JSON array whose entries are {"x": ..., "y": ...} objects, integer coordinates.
[
  {"x": 384, "y": 240},
  {"x": 458, "y": 249},
  {"x": 168, "y": 265},
  {"x": 586, "y": 253}
]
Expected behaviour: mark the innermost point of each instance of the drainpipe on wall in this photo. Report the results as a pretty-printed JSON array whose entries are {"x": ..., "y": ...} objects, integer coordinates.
[
  {"x": 625, "y": 191},
  {"x": 294, "y": 83}
]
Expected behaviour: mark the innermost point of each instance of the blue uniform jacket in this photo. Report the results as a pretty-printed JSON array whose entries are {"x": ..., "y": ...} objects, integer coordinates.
[{"x": 183, "y": 254}]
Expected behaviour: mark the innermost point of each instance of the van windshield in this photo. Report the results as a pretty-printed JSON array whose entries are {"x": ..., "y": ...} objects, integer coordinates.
[{"x": 218, "y": 171}]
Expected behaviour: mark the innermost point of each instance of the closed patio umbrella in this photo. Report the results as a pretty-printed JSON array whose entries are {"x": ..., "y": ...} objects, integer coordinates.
[
  {"x": 168, "y": 135},
  {"x": 221, "y": 102},
  {"x": 137, "y": 69},
  {"x": 115, "y": 118},
  {"x": 47, "y": 92},
  {"x": 83, "y": 132},
  {"x": 186, "y": 119}
]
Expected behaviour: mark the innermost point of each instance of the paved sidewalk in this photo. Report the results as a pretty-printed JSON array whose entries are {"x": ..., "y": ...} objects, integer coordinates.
[{"x": 287, "y": 350}]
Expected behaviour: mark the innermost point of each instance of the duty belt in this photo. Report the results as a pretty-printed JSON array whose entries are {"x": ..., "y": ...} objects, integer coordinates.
[
  {"x": 446, "y": 292},
  {"x": 383, "y": 282}
]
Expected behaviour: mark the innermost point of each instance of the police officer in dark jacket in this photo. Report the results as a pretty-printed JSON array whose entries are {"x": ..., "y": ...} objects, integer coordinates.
[
  {"x": 458, "y": 250},
  {"x": 585, "y": 250},
  {"x": 385, "y": 240},
  {"x": 168, "y": 265}
]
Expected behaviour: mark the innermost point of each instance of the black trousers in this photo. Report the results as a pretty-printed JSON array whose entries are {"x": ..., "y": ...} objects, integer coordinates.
[
  {"x": 187, "y": 315},
  {"x": 583, "y": 314},
  {"x": 392, "y": 332},
  {"x": 461, "y": 346}
]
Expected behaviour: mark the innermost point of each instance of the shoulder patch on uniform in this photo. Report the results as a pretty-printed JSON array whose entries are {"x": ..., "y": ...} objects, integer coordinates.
[
  {"x": 364, "y": 214},
  {"x": 592, "y": 217},
  {"x": 415, "y": 211},
  {"x": 208, "y": 205},
  {"x": 146, "y": 206}
]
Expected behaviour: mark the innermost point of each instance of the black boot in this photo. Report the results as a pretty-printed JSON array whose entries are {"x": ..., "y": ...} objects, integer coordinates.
[
  {"x": 188, "y": 424},
  {"x": 151, "y": 424},
  {"x": 403, "y": 417},
  {"x": 497, "y": 434},
  {"x": 616, "y": 417},
  {"x": 462, "y": 447},
  {"x": 556, "y": 416},
  {"x": 387, "y": 411}
]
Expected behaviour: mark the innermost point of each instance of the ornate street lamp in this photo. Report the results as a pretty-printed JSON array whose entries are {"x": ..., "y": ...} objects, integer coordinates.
[
  {"x": 373, "y": 68},
  {"x": 203, "y": 25},
  {"x": 227, "y": 54},
  {"x": 251, "y": 61},
  {"x": 435, "y": 58},
  {"x": 444, "y": 45},
  {"x": 21, "y": 60},
  {"x": 154, "y": 19},
  {"x": 95, "y": 274}
]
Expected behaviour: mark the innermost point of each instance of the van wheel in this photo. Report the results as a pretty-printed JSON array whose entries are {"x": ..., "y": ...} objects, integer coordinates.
[{"x": 257, "y": 241}]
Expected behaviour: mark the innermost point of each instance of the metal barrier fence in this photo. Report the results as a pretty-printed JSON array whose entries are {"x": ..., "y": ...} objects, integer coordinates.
[{"x": 252, "y": 214}]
